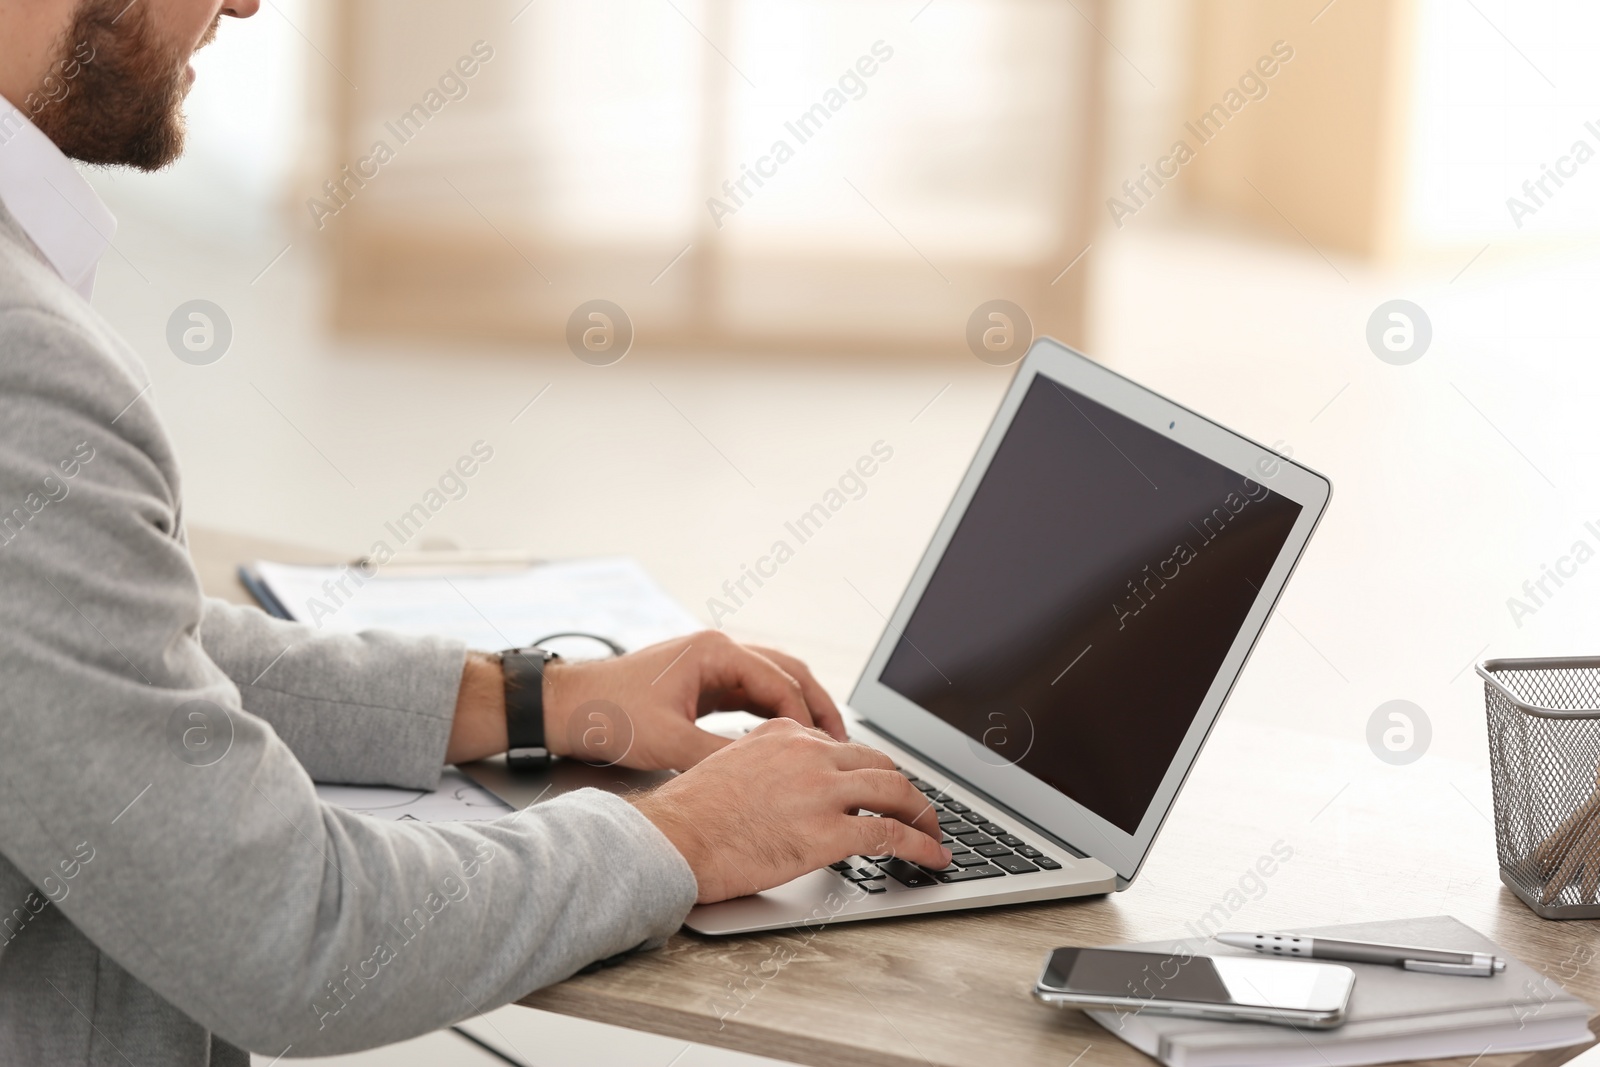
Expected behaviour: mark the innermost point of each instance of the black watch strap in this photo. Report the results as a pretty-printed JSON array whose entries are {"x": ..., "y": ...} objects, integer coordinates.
[{"x": 524, "y": 679}]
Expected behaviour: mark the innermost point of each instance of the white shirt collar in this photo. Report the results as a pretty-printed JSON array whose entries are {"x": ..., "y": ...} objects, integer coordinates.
[{"x": 58, "y": 210}]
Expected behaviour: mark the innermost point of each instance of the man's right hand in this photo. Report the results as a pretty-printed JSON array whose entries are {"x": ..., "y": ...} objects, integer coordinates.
[{"x": 782, "y": 801}]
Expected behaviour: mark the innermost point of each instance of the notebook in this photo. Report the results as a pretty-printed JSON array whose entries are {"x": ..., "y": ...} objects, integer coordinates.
[{"x": 1394, "y": 1015}]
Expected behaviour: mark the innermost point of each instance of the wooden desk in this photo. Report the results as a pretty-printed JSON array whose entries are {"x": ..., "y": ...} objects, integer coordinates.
[{"x": 1369, "y": 841}]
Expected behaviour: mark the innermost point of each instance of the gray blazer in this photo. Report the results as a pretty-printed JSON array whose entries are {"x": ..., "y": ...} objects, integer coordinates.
[{"x": 171, "y": 890}]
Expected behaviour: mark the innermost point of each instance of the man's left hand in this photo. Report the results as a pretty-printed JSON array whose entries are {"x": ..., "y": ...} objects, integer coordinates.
[{"x": 641, "y": 710}]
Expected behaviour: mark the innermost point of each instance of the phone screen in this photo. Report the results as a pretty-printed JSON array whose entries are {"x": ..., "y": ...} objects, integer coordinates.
[{"x": 1226, "y": 980}]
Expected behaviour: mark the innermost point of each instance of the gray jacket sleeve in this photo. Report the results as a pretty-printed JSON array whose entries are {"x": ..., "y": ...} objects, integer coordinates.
[
  {"x": 367, "y": 709},
  {"x": 217, "y": 878}
]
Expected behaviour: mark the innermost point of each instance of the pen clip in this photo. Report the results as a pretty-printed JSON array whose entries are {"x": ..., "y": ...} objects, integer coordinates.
[
  {"x": 1472, "y": 970},
  {"x": 449, "y": 561}
]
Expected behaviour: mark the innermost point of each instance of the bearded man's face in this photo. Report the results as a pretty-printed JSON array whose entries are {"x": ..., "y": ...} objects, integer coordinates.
[{"x": 114, "y": 95}]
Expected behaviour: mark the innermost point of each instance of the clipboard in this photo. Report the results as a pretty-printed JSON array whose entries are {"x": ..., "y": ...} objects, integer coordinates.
[{"x": 487, "y": 600}]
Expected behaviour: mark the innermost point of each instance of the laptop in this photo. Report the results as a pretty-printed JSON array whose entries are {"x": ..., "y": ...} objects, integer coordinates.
[{"x": 1062, "y": 649}]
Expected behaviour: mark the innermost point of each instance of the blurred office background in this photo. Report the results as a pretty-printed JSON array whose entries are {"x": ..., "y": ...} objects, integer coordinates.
[{"x": 378, "y": 336}]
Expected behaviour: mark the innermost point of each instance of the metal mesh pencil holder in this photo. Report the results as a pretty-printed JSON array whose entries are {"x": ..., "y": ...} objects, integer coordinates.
[{"x": 1544, "y": 759}]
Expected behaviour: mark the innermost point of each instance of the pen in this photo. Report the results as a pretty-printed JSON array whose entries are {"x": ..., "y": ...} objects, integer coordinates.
[
  {"x": 431, "y": 562},
  {"x": 1426, "y": 960}
]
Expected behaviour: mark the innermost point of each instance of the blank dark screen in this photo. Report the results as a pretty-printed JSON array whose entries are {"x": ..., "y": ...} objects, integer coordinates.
[
  {"x": 1087, "y": 599},
  {"x": 1115, "y": 973}
]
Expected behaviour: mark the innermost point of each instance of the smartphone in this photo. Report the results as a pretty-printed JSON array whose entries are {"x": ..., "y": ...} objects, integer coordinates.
[{"x": 1255, "y": 989}]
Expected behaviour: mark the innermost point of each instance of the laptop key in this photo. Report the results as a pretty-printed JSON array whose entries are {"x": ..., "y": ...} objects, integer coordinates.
[
  {"x": 1029, "y": 851},
  {"x": 1014, "y": 865},
  {"x": 969, "y": 859},
  {"x": 842, "y": 865},
  {"x": 1047, "y": 863},
  {"x": 992, "y": 849},
  {"x": 1011, "y": 840},
  {"x": 976, "y": 818},
  {"x": 974, "y": 839},
  {"x": 907, "y": 875},
  {"x": 991, "y": 829},
  {"x": 957, "y": 807},
  {"x": 968, "y": 874},
  {"x": 873, "y": 887}
]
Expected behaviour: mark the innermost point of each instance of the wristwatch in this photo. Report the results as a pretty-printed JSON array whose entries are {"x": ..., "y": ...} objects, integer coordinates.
[{"x": 524, "y": 680}]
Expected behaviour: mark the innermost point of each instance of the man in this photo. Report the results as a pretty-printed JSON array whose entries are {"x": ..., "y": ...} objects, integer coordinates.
[{"x": 158, "y": 908}]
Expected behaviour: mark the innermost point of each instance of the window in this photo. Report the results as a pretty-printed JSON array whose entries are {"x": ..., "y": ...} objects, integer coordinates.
[{"x": 757, "y": 173}]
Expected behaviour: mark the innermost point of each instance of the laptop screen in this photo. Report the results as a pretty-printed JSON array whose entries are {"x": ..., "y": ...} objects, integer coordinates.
[{"x": 1087, "y": 599}]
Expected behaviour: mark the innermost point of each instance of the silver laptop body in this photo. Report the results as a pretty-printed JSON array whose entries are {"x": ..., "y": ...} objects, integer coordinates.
[{"x": 1059, "y": 553}]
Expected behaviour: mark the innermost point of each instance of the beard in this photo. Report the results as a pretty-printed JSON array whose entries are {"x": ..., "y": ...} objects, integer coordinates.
[{"x": 124, "y": 88}]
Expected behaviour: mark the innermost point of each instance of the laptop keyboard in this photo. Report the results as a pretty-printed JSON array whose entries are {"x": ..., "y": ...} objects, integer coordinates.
[{"x": 978, "y": 848}]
